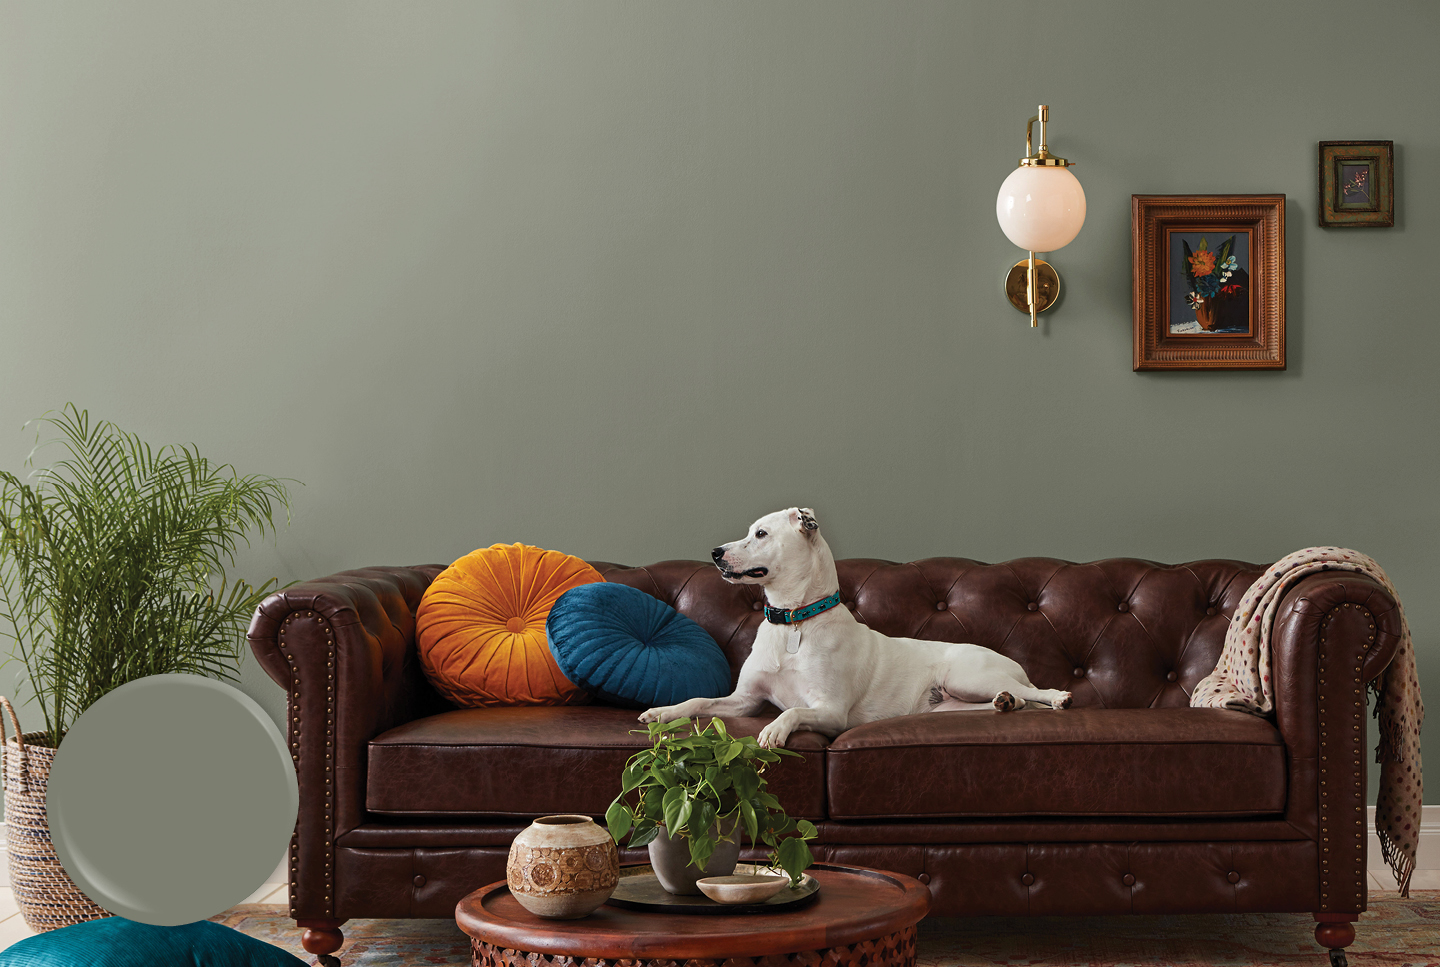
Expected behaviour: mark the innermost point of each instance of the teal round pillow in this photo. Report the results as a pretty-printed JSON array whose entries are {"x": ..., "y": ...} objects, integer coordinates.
[
  {"x": 630, "y": 649},
  {"x": 117, "y": 942}
]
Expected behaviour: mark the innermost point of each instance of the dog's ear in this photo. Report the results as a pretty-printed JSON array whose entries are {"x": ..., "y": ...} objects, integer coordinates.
[{"x": 808, "y": 523}]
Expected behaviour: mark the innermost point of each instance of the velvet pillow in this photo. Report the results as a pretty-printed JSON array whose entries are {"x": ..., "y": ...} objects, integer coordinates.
[
  {"x": 480, "y": 627},
  {"x": 630, "y": 649},
  {"x": 117, "y": 942}
]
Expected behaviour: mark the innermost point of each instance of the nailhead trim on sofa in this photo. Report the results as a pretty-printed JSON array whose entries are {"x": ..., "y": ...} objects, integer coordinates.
[
  {"x": 296, "y": 732},
  {"x": 1342, "y": 815}
]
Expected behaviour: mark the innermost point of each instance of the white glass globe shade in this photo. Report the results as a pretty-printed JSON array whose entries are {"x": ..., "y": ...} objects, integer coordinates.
[{"x": 1041, "y": 209}]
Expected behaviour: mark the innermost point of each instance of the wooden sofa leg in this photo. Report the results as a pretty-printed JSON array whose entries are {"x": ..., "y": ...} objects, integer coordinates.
[
  {"x": 322, "y": 938},
  {"x": 1335, "y": 931}
]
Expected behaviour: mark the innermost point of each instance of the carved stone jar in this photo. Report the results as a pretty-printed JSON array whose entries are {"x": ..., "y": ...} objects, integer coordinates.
[{"x": 562, "y": 867}]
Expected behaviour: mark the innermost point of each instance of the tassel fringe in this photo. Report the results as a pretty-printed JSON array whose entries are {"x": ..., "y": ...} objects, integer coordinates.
[{"x": 1400, "y": 864}]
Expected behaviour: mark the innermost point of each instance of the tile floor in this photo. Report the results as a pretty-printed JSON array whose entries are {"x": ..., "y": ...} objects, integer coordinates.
[{"x": 12, "y": 925}]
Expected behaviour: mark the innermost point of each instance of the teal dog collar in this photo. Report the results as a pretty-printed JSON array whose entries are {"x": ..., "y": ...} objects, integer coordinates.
[{"x": 790, "y": 616}]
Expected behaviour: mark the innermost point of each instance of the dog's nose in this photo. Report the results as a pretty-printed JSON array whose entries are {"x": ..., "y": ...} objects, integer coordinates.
[{"x": 717, "y": 553}]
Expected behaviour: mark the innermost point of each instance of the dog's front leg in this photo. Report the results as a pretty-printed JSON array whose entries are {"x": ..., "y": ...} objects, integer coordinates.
[
  {"x": 749, "y": 696},
  {"x": 825, "y": 720},
  {"x": 736, "y": 704}
]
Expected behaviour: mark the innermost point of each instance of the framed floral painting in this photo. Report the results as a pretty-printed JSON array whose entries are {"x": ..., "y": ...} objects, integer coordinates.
[
  {"x": 1357, "y": 184},
  {"x": 1209, "y": 287},
  {"x": 1209, "y": 281}
]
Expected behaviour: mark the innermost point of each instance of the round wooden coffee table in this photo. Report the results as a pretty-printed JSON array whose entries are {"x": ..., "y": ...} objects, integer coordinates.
[{"x": 862, "y": 916}]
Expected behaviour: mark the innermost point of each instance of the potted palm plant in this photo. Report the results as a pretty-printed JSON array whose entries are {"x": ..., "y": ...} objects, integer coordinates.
[
  {"x": 694, "y": 791},
  {"x": 112, "y": 568}
]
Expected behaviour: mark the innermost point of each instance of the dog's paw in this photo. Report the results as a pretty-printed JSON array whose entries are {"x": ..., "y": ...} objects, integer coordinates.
[
  {"x": 773, "y": 736},
  {"x": 1061, "y": 700},
  {"x": 653, "y": 715},
  {"x": 1004, "y": 702}
]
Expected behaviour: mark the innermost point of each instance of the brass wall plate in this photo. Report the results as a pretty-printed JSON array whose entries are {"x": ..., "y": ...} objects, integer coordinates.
[{"x": 1047, "y": 286}]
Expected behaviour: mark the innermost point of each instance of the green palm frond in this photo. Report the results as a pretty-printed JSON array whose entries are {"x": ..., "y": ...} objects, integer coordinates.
[{"x": 112, "y": 563}]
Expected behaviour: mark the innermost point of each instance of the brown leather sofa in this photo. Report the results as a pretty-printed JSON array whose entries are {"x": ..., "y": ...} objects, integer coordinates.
[{"x": 1129, "y": 802}]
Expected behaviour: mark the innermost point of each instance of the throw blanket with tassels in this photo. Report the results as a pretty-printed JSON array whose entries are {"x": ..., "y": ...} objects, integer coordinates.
[{"x": 1241, "y": 681}]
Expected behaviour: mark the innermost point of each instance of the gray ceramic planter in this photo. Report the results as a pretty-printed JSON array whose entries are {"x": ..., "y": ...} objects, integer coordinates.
[{"x": 670, "y": 858}]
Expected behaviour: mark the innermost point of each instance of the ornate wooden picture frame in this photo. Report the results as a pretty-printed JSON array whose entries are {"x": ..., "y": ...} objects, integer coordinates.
[
  {"x": 1357, "y": 184},
  {"x": 1209, "y": 281}
]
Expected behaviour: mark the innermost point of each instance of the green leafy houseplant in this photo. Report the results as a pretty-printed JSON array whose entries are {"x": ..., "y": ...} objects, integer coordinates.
[
  {"x": 112, "y": 564},
  {"x": 697, "y": 782}
]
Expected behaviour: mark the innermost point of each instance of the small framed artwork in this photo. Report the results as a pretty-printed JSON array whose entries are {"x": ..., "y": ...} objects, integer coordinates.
[
  {"x": 1357, "y": 184},
  {"x": 1208, "y": 281}
]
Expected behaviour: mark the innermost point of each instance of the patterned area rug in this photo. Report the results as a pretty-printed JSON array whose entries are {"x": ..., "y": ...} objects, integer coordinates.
[
  {"x": 368, "y": 943},
  {"x": 1394, "y": 933}
]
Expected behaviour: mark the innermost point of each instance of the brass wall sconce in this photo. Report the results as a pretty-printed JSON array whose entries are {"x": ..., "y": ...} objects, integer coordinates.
[{"x": 1041, "y": 208}]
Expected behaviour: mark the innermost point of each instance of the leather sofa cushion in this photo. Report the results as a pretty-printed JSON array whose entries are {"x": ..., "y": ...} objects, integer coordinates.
[
  {"x": 1134, "y": 762},
  {"x": 534, "y": 761}
]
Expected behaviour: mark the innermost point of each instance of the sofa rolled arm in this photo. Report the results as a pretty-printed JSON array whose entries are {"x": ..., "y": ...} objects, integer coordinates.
[
  {"x": 343, "y": 648},
  {"x": 1336, "y": 624},
  {"x": 1334, "y": 632}
]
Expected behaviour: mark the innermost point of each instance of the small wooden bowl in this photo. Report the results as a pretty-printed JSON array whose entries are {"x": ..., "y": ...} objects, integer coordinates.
[{"x": 742, "y": 888}]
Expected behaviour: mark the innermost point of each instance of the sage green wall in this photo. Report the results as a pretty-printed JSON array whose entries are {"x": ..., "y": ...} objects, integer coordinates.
[{"x": 618, "y": 278}]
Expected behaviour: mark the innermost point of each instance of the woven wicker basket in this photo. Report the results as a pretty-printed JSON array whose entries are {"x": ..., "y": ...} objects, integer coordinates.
[{"x": 47, "y": 897}]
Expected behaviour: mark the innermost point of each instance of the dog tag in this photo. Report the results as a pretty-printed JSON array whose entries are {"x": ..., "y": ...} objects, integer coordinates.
[{"x": 792, "y": 640}]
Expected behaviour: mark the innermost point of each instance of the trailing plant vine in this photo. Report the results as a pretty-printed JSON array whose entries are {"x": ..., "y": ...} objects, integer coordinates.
[{"x": 112, "y": 564}]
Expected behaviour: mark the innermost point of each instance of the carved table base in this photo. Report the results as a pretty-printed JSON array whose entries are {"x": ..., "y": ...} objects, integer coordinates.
[{"x": 892, "y": 950}]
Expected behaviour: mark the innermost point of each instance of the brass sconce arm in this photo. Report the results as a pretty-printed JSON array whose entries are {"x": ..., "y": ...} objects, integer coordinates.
[
  {"x": 1030, "y": 286},
  {"x": 1042, "y": 158}
]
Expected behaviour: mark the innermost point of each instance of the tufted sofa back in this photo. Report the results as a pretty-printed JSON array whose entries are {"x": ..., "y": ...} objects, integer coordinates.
[{"x": 1120, "y": 633}]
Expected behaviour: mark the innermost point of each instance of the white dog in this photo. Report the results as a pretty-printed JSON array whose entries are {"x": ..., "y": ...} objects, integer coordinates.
[{"x": 826, "y": 671}]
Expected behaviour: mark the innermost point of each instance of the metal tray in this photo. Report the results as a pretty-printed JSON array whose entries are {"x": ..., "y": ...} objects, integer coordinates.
[{"x": 638, "y": 889}]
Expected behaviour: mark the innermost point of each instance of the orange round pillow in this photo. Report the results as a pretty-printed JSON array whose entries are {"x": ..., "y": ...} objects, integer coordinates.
[{"x": 480, "y": 627}]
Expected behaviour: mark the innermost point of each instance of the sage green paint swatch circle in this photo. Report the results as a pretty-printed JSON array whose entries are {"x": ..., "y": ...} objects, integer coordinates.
[{"x": 171, "y": 799}]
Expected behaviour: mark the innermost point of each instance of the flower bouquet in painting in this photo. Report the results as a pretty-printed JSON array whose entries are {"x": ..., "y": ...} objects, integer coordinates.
[{"x": 1217, "y": 286}]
